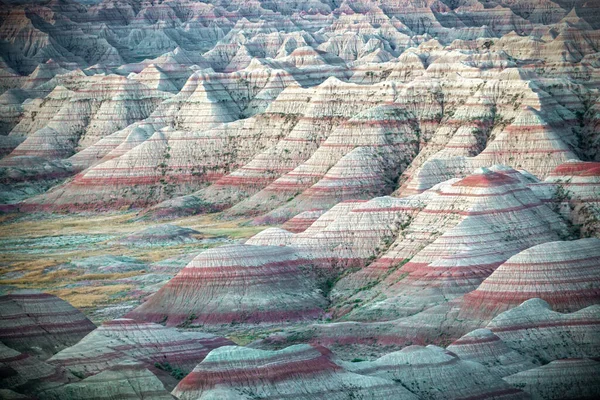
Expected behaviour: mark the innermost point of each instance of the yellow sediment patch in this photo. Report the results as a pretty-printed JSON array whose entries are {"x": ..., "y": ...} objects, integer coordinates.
[
  {"x": 32, "y": 264},
  {"x": 121, "y": 224},
  {"x": 91, "y": 296},
  {"x": 110, "y": 277},
  {"x": 67, "y": 225}
]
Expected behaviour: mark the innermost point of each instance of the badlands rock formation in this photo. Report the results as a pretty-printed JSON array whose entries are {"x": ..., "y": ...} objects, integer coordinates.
[
  {"x": 342, "y": 99},
  {"x": 39, "y": 323},
  {"x": 545, "y": 335},
  {"x": 26, "y": 374},
  {"x": 576, "y": 193},
  {"x": 237, "y": 284},
  {"x": 562, "y": 379},
  {"x": 486, "y": 348},
  {"x": 127, "y": 381},
  {"x": 296, "y": 372},
  {"x": 123, "y": 341},
  {"x": 429, "y": 170},
  {"x": 565, "y": 274},
  {"x": 432, "y": 373}
]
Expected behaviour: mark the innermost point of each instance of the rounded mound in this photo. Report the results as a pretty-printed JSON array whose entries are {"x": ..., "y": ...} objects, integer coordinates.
[
  {"x": 237, "y": 284},
  {"x": 565, "y": 274}
]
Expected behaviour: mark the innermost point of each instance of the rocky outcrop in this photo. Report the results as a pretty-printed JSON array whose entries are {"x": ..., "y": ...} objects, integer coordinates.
[
  {"x": 536, "y": 331},
  {"x": 576, "y": 192},
  {"x": 432, "y": 164},
  {"x": 26, "y": 374},
  {"x": 561, "y": 273},
  {"x": 164, "y": 351},
  {"x": 484, "y": 347},
  {"x": 300, "y": 222},
  {"x": 39, "y": 323},
  {"x": 432, "y": 373},
  {"x": 237, "y": 284},
  {"x": 561, "y": 379},
  {"x": 130, "y": 381},
  {"x": 296, "y": 372},
  {"x": 77, "y": 118},
  {"x": 444, "y": 243}
]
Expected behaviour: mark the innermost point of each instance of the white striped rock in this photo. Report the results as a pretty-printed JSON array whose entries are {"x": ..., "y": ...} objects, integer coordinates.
[
  {"x": 123, "y": 341},
  {"x": 39, "y": 323},
  {"x": 564, "y": 274},
  {"x": 536, "y": 331},
  {"x": 562, "y": 379},
  {"x": 237, "y": 284},
  {"x": 433, "y": 373},
  {"x": 296, "y": 372}
]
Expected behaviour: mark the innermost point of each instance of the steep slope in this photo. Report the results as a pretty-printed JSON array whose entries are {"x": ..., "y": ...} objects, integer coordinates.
[
  {"x": 562, "y": 273},
  {"x": 39, "y": 323},
  {"x": 450, "y": 244},
  {"x": 577, "y": 194},
  {"x": 83, "y": 116},
  {"x": 237, "y": 284},
  {"x": 536, "y": 331},
  {"x": 129, "y": 381},
  {"x": 484, "y": 347},
  {"x": 123, "y": 341},
  {"x": 432, "y": 373},
  {"x": 26, "y": 374},
  {"x": 561, "y": 379},
  {"x": 359, "y": 160},
  {"x": 188, "y": 141},
  {"x": 296, "y": 372}
]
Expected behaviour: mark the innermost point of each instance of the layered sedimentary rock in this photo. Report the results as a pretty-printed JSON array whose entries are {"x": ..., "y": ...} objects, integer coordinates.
[
  {"x": 300, "y": 222},
  {"x": 561, "y": 379},
  {"x": 433, "y": 373},
  {"x": 492, "y": 114},
  {"x": 81, "y": 116},
  {"x": 271, "y": 237},
  {"x": 296, "y": 372},
  {"x": 332, "y": 103},
  {"x": 444, "y": 243},
  {"x": 123, "y": 341},
  {"x": 237, "y": 284},
  {"x": 577, "y": 194},
  {"x": 359, "y": 160},
  {"x": 37, "y": 322},
  {"x": 564, "y": 274},
  {"x": 484, "y": 347},
  {"x": 451, "y": 228},
  {"x": 536, "y": 331},
  {"x": 126, "y": 381},
  {"x": 371, "y": 131},
  {"x": 11, "y": 111},
  {"x": 26, "y": 374},
  {"x": 189, "y": 141}
]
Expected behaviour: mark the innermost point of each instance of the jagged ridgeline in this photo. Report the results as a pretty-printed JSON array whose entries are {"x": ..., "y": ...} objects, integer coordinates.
[{"x": 284, "y": 199}]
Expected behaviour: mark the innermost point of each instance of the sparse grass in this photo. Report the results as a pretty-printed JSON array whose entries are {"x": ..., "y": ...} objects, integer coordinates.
[
  {"x": 242, "y": 340},
  {"x": 90, "y": 296},
  {"x": 51, "y": 225},
  {"x": 33, "y": 262},
  {"x": 109, "y": 277},
  {"x": 244, "y": 337}
]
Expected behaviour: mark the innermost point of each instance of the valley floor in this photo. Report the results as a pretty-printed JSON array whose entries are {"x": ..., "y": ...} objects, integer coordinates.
[{"x": 37, "y": 251}]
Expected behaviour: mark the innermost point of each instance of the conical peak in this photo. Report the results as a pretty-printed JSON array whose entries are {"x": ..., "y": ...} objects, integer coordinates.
[{"x": 484, "y": 177}]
